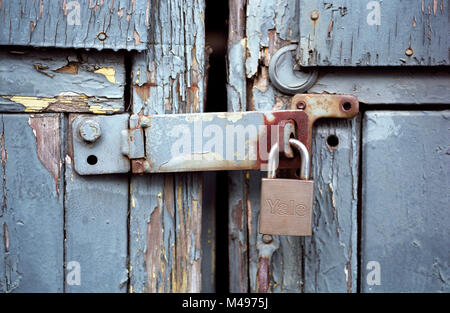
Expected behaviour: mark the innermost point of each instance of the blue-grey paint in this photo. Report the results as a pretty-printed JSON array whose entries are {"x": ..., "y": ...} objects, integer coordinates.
[
  {"x": 373, "y": 33},
  {"x": 95, "y": 24},
  {"x": 405, "y": 190},
  {"x": 61, "y": 81},
  {"x": 31, "y": 250},
  {"x": 331, "y": 252},
  {"x": 388, "y": 86},
  {"x": 168, "y": 78},
  {"x": 96, "y": 231}
]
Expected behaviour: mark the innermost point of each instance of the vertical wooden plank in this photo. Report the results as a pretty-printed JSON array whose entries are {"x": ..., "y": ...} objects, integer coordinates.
[
  {"x": 331, "y": 253},
  {"x": 280, "y": 264},
  {"x": 274, "y": 265},
  {"x": 168, "y": 78},
  {"x": 96, "y": 229},
  {"x": 31, "y": 218},
  {"x": 405, "y": 189},
  {"x": 236, "y": 97}
]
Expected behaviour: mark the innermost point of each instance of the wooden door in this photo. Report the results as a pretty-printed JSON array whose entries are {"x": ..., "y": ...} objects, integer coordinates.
[{"x": 380, "y": 219}]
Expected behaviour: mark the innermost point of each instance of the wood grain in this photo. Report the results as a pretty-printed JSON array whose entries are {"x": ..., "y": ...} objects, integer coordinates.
[
  {"x": 168, "y": 78},
  {"x": 76, "y": 24}
]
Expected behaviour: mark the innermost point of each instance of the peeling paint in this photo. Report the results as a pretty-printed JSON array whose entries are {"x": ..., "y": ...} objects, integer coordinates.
[
  {"x": 48, "y": 143},
  {"x": 108, "y": 72}
]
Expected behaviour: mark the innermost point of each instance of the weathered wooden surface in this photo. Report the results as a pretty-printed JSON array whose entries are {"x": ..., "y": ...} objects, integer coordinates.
[
  {"x": 387, "y": 86},
  {"x": 281, "y": 265},
  {"x": 331, "y": 253},
  {"x": 373, "y": 33},
  {"x": 61, "y": 81},
  {"x": 405, "y": 188},
  {"x": 75, "y": 23},
  {"x": 236, "y": 97},
  {"x": 32, "y": 214},
  {"x": 96, "y": 230},
  {"x": 165, "y": 210}
]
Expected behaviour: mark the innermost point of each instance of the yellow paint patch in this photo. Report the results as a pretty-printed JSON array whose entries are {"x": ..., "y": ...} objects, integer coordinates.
[
  {"x": 98, "y": 109},
  {"x": 109, "y": 72},
  {"x": 32, "y": 104}
]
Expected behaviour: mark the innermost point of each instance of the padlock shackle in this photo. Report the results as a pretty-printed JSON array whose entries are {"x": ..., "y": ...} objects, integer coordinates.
[{"x": 304, "y": 159}]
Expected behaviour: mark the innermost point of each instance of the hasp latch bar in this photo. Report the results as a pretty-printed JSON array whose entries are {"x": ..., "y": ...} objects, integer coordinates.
[{"x": 199, "y": 141}]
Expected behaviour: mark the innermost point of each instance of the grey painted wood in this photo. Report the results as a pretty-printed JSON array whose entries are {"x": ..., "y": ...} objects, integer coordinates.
[
  {"x": 405, "y": 189},
  {"x": 61, "y": 81},
  {"x": 96, "y": 230},
  {"x": 236, "y": 98},
  {"x": 373, "y": 33},
  {"x": 387, "y": 86},
  {"x": 75, "y": 24},
  {"x": 165, "y": 251},
  {"x": 32, "y": 214},
  {"x": 331, "y": 253}
]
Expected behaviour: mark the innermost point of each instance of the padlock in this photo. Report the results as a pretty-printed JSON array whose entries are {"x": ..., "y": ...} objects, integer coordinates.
[{"x": 287, "y": 204}]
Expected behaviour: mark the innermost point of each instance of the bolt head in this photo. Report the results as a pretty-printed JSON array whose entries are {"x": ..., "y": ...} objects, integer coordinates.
[
  {"x": 409, "y": 52},
  {"x": 314, "y": 15},
  {"x": 90, "y": 130},
  {"x": 267, "y": 239}
]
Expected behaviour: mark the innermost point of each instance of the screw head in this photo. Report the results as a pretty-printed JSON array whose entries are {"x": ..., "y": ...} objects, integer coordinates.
[
  {"x": 267, "y": 239},
  {"x": 315, "y": 15},
  {"x": 90, "y": 130},
  {"x": 409, "y": 52}
]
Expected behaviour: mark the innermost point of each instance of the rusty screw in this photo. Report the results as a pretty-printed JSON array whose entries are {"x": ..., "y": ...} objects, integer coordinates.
[
  {"x": 90, "y": 130},
  {"x": 314, "y": 15},
  {"x": 267, "y": 239},
  {"x": 409, "y": 52},
  {"x": 301, "y": 105},
  {"x": 102, "y": 36}
]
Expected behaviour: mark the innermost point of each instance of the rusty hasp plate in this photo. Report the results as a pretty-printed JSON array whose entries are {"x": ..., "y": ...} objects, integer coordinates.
[{"x": 199, "y": 141}]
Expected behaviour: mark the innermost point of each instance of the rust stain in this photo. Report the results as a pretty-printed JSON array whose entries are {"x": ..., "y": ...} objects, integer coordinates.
[
  {"x": 237, "y": 215},
  {"x": 262, "y": 275},
  {"x": 6, "y": 237},
  {"x": 143, "y": 91},
  {"x": 4, "y": 153},
  {"x": 137, "y": 38},
  {"x": 69, "y": 68},
  {"x": 120, "y": 13},
  {"x": 414, "y": 22},
  {"x": 153, "y": 251},
  {"x": 423, "y": 6},
  {"x": 41, "y": 7},
  {"x": 31, "y": 26},
  {"x": 435, "y": 4},
  {"x": 349, "y": 272},
  {"x": 48, "y": 143},
  {"x": 330, "y": 27}
]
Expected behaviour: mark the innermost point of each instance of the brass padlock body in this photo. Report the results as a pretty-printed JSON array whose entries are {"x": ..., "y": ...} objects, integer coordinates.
[{"x": 286, "y": 207}]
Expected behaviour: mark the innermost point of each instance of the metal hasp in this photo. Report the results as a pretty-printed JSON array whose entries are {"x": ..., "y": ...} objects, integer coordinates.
[
  {"x": 199, "y": 141},
  {"x": 373, "y": 33}
]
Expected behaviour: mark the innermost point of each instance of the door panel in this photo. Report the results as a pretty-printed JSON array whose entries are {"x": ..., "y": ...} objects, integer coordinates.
[
  {"x": 32, "y": 215},
  {"x": 76, "y": 24},
  {"x": 166, "y": 210},
  {"x": 328, "y": 260},
  {"x": 373, "y": 33},
  {"x": 405, "y": 190},
  {"x": 96, "y": 231}
]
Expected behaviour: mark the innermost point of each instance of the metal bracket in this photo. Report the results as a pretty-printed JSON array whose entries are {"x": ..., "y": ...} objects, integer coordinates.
[
  {"x": 284, "y": 77},
  {"x": 199, "y": 141}
]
